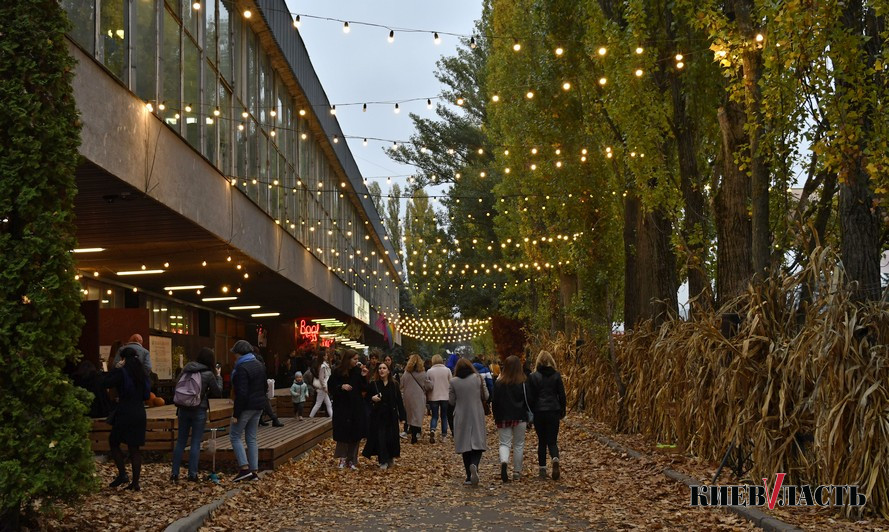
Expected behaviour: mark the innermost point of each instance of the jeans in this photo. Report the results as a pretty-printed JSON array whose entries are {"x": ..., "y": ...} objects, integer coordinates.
[
  {"x": 439, "y": 409},
  {"x": 248, "y": 422},
  {"x": 322, "y": 397},
  {"x": 193, "y": 420},
  {"x": 513, "y": 438},
  {"x": 546, "y": 424}
]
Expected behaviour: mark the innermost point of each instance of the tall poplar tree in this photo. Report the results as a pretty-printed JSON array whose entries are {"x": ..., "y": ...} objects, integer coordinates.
[{"x": 44, "y": 445}]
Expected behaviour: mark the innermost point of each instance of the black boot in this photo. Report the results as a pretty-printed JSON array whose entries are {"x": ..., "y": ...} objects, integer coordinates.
[{"x": 119, "y": 481}]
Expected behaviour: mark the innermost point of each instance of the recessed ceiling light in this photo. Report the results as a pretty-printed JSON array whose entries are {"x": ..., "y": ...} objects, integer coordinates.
[
  {"x": 141, "y": 272},
  {"x": 265, "y": 315},
  {"x": 186, "y": 287},
  {"x": 245, "y": 307},
  {"x": 227, "y": 298}
]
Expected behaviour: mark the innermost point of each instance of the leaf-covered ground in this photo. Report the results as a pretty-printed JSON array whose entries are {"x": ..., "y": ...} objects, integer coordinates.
[{"x": 600, "y": 489}]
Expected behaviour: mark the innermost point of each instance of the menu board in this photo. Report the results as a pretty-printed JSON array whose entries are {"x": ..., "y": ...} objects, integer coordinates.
[{"x": 161, "y": 356}]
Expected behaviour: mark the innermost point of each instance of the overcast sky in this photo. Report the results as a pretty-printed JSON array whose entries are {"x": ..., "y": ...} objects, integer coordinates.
[{"x": 362, "y": 66}]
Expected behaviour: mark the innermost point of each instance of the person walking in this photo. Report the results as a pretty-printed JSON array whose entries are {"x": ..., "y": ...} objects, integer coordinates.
[
  {"x": 249, "y": 385},
  {"x": 549, "y": 406},
  {"x": 347, "y": 384},
  {"x": 385, "y": 411},
  {"x": 467, "y": 393},
  {"x": 320, "y": 381},
  {"x": 413, "y": 390},
  {"x": 439, "y": 382},
  {"x": 192, "y": 417},
  {"x": 127, "y": 419},
  {"x": 511, "y": 403}
]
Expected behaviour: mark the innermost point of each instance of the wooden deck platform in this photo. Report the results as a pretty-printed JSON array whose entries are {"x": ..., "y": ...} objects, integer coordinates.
[
  {"x": 163, "y": 426},
  {"x": 276, "y": 444},
  {"x": 285, "y": 404}
]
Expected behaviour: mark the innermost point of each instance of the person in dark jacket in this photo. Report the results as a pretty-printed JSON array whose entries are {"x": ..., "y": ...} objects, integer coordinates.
[
  {"x": 249, "y": 385},
  {"x": 195, "y": 418},
  {"x": 386, "y": 409},
  {"x": 346, "y": 385},
  {"x": 88, "y": 377},
  {"x": 128, "y": 419},
  {"x": 549, "y": 407},
  {"x": 511, "y": 403},
  {"x": 267, "y": 409}
]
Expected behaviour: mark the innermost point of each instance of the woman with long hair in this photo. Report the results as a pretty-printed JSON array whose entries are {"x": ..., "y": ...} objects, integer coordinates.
[
  {"x": 468, "y": 395},
  {"x": 413, "y": 390},
  {"x": 321, "y": 372},
  {"x": 128, "y": 419},
  {"x": 346, "y": 385},
  {"x": 549, "y": 406},
  {"x": 194, "y": 418},
  {"x": 511, "y": 403},
  {"x": 386, "y": 408}
]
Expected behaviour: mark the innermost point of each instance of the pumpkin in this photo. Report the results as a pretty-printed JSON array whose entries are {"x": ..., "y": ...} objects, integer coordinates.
[{"x": 158, "y": 401}]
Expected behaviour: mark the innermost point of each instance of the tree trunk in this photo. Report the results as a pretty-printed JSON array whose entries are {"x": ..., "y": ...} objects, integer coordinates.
[
  {"x": 694, "y": 226},
  {"x": 734, "y": 266},
  {"x": 859, "y": 214},
  {"x": 631, "y": 289},
  {"x": 656, "y": 269},
  {"x": 751, "y": 64}
]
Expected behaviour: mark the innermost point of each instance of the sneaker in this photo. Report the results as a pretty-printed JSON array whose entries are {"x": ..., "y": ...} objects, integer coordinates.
[
  {"x": 391, "y": 464},
  {"x": 473, "y": 474},
  {"x": 244, "y": 474},
  {"x": 253, "y": 476},
  {"x": 119, "y": 481},
  {"x": 384, "y": 465},
  {"x": 342, "y": 463},
  {"x": 542, "y": 472},
  {"x": 504, "y": 474},
  {"x": 352, "y": 466},
  {"x": 556, "y": 472},
  {"x": 517, "y": 476},
  {"x": 431, "y": 437},
  {"x": 467, "y": 482},
  {"x": 403, "y": 435}
]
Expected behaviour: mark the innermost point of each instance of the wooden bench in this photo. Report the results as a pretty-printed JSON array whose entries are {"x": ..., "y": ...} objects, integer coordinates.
[
  {"x": 276, "y": 444},
  {"x": 285, "y": 404},
  {"x": 162, "y": 427}
]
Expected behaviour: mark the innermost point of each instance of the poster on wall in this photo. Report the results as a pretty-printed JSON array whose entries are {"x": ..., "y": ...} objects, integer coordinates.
[{"x": 162, "y": 356}]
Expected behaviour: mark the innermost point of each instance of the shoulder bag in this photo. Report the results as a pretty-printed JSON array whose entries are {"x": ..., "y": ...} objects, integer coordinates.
[
  {"x": 486, "y": 405},
  {"x": 530, "y": 413}
]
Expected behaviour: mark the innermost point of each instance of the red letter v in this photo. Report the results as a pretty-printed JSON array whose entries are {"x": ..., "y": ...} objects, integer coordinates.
[{"x": 773, "y": 496}]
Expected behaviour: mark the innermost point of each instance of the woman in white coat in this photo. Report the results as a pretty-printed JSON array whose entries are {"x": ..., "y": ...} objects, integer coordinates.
[{"x": 321, "y": 371}]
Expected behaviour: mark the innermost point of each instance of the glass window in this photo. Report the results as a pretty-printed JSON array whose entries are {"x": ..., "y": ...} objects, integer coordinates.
[
  {"x": 83, "y": 19},
  {"x": 209, "y": 106},
  {"x": 263, "y": 163},
  {"x": 191, "y": 18},
  {"x": 252, "y": 96},
  {"x": 171, "y": 81},
  {"x": 210, "y": 30},
  {"x": 226, "y": 7},
  {"x": 191, "y": 59},
  {"x": 175, "y": 7},
  {"x": 145, "y": 50},
  {"x": 225, "y": 130},
  {"x": 115, "y": 38},
  {"x": 252, "y": 160}
]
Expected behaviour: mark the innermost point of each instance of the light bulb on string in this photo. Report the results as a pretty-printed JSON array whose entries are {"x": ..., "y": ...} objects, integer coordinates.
[
  {"x": 495, "y": 98},
  {"x": 560, "y": 51},
  {"x": 472, "y": 42},
  {"x": 391, "y": 36},
  {"x": 397, "y": 109},
  {"x": 516, "y": 45},
  {"x": 217, "y": 112},
  {"x": 248, "y": 13},
  {"x": 428, "y": 103},
  {"x": 436, "y": 39},
  {"x": 566, "y": 86},
  {"x": 365, "y": 142},
  {"x": 346, "y": 28},
  {"x": 196, "y": 6},
  {"x": 364, "y": 108},
  {"x": 639, "y": 72},
  {"x": 297, "y": 22},
  {"x": 162, "y": 106},
  {"x": 188, "y": 108},
  {"x": 333, "y": 109},
  {"x": 603, "y": 51}
]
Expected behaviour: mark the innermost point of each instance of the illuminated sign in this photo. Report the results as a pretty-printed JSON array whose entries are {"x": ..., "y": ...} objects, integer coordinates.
[
  {"x": 309, "y": 331},
  {"x": 360, "y": 308}
]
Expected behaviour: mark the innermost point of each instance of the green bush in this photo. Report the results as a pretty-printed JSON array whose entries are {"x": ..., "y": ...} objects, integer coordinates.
[{"x": 44, "y": 446}]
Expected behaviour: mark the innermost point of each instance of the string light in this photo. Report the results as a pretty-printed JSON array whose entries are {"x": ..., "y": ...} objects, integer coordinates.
[
  {"x": 560, "y": 51},
  {"x": 391, "y": 36},
  {"x": 346, "y": 27},
  {"x": 428, "y": 103},
  {"x": 397, "y": 109},
  {"x": 196, "y": 6},
  {"x": 602, "y": 51},
  {"x": 472, "y": 42},
  {"x": 436, "y": 39},
  {"x": 248, "y": 13},
  {"x": 529, "y": 95},
  {"x": 297, "y": 22},
  {"x": 516, "y": 46},
  {"x": 639, "y": 50},
  {"x": 566, "y": 86},
  {"x": 602, "y": 81}
]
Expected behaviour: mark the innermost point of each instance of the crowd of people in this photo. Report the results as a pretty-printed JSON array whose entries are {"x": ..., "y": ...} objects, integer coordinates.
[{"x": 374, "y": 401}]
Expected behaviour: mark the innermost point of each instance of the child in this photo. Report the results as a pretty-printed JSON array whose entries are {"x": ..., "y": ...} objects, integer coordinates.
[{"x": 298, "y": 392}]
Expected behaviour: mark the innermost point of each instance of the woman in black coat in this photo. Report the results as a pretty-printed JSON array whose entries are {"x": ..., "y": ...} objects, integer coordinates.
[
  {"x": 386, "y": 409},
  {"x": 128, "y": 419},
  {"x": 346, "y": 385}
]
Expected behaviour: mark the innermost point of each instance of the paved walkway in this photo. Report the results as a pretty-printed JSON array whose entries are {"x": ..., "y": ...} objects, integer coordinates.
[{"x": 599, "y": 490}]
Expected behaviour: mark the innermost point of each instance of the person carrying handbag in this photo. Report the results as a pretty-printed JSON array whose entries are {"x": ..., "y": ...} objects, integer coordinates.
[{"x": 511, "y": 415}]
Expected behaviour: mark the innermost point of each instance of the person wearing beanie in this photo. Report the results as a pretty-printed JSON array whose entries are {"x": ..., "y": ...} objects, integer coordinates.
[
  {"x": 249, "y": 385},
  {"x": 298, "y": 393}
]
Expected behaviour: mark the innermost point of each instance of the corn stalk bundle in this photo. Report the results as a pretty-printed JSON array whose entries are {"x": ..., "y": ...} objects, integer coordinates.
[{"x": 803, "y": 385}]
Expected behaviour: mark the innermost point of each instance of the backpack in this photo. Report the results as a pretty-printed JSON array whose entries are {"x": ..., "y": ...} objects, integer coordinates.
[{"x": 188, "y": 390}]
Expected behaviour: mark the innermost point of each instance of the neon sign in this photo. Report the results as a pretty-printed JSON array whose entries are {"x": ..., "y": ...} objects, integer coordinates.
[{"x": 309, "y": 331}]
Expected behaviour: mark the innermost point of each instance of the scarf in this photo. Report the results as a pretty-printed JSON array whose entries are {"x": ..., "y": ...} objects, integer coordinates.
[{"x": 243, "y": 359}]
